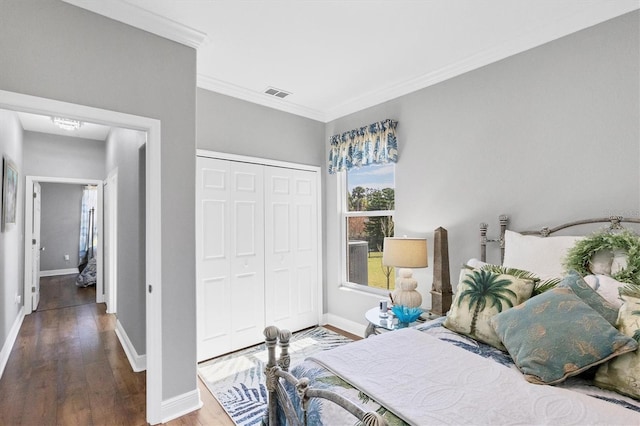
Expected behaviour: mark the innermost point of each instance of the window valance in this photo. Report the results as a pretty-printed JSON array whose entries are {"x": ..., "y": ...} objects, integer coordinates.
[{"x": 372, "y": 144}]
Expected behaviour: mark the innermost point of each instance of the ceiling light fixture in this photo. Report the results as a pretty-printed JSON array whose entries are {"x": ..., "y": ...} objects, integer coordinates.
[{"x": 67, "y": 123}]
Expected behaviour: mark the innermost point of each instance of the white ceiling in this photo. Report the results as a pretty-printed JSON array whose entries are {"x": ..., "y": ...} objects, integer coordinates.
[
  {"x": 338, "y": 57},
  {"x": 44, "y": 124}
]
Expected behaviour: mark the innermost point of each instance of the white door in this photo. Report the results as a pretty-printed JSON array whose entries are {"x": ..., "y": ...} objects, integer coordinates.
[
  {"x": 230, "y": 256},
  {"x": 35, "y": 247},
  {"x": 111, "y": 241},
  {"x": 291, "y": 248}
]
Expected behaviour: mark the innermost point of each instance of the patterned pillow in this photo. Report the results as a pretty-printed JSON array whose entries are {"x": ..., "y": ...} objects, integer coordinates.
[
  {"x": 623, "y": 373},
  {"x": 479, "y": 296},
  {"x": 556, "y": 335},
  {"x": 579, "y": 286}
]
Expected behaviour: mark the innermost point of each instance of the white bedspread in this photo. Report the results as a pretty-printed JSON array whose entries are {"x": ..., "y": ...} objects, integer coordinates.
[{"x": 426, "y": 381}]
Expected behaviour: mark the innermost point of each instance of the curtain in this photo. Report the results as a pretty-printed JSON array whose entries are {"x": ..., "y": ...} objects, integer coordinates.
[
  {"x": 88, "y": 227},
  {"x": 372, "y": 144}
]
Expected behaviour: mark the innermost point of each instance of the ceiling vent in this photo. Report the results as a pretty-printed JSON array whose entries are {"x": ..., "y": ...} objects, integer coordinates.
[{"x": 276, "y": 92}]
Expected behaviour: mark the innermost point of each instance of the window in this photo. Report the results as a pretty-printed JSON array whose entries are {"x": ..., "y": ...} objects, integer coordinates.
[{"x": 369, "y": 202}]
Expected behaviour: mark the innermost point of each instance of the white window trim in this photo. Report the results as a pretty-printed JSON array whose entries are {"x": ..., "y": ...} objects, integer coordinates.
[{"x": 344, "y": 214}]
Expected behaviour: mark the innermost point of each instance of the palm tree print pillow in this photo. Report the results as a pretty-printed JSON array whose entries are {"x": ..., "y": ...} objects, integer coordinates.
[
  {"x": 622, "y": 374},
  {"x": 480, "y": 295}
]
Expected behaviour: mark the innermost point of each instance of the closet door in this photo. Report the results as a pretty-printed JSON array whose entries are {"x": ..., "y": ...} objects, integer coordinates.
[
  {"x": 291, "y": 245},
  {"x": 230, "y": 256}
]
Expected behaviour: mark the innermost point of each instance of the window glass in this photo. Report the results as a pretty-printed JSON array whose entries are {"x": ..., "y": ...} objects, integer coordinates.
[{"x": 370, "y": 203}]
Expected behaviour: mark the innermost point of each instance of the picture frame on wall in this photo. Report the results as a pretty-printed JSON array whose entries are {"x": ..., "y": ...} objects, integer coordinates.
[{"x": 9, "y": 191}]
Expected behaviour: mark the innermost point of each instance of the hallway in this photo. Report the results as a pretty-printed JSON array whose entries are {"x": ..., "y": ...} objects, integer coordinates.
[{"x": 67, "y": 367}]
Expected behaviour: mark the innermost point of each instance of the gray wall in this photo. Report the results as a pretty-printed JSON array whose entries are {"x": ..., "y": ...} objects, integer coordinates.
[
  {"x": 61, "y": 156},
  {"x": 62, "y": 52},
  {"x": 60, "y": 225},
  {"x": 546, "y": 136},
  {"x": 231, "y": 125},
  {"x": 125, "y": 152},
  {"x": 12, "y": 237}
]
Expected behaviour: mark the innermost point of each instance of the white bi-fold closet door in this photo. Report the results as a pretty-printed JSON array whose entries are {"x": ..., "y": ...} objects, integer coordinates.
[{"x": 257, "y": 252}]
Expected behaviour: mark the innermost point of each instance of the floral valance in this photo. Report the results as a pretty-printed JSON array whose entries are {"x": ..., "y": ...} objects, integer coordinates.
[{"x": 372, "y": 144}]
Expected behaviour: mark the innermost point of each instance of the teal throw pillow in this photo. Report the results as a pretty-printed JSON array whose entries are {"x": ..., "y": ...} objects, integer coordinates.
[
  {"x": 574, "y": 281},
  {"x": 556, "y": 335}
]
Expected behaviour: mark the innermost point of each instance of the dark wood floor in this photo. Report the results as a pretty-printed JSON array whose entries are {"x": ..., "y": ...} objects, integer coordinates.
[
  {"x": 61, "y": 292},
  {"x": 67, "y": 367}
]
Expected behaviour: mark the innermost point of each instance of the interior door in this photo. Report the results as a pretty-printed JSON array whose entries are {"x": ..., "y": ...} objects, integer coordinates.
[
  {"x": 35, "y": 247},
  {"x": 291, "y": 248},
  {"x": 230, "y": 256}
]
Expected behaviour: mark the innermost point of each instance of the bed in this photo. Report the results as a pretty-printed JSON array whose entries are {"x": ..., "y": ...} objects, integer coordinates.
[{"x": 564, "y": 354}]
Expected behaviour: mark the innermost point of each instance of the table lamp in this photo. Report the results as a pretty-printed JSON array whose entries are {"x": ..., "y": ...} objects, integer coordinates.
[{"x": 405, "y": 253}]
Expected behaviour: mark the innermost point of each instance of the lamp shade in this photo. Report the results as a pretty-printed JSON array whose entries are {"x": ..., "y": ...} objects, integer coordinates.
[{"x": 405, "y": 252}]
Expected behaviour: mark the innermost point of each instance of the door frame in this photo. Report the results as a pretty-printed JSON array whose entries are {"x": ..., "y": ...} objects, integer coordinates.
[
  {"x": 111, "y": 235},
  {"x": 28, "y": 232},
  {"x": 35, "y": 250},
  {"x": 152, "y": 127}
]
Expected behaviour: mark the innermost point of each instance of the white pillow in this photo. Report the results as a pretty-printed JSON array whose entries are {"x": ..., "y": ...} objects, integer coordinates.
[
  {"x": 606, "y": 287},
  {"x": 544, "y": 256},
  {"x": 475, "y": 263}
]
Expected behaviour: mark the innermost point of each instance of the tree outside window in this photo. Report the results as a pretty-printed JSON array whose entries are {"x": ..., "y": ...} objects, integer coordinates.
[{"x": 370, "y": 200}]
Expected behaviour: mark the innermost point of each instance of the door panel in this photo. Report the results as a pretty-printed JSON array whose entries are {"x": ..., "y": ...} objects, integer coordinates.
[
  {"x": 230, "y": 256},
  {"x": 214, "y": 290},
  {"x": 247, "y": 268},
  {"x": 213, "y": 268},
  {"x": 291, "y": 256}
]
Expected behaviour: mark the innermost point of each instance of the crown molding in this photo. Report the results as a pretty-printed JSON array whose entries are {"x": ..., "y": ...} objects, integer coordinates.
[
  {"x": 594, "y": 15},
  {"x": 225, "y": 88},
  {"x": 127, "y": 13}
]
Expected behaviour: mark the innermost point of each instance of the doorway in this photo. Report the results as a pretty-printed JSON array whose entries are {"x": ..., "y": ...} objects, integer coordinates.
[
  {"x": 153, "y": 321},
  {"x": 32, "y": 233}
]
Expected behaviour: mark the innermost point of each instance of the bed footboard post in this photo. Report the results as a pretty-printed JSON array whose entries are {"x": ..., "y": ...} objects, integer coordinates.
[
  {"x": 285, "y": 359},
  {"x": 271, "y": 337}
]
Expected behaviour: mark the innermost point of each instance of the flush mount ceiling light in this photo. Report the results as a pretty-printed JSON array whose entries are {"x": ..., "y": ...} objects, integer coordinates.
[
  {"x": 66, "y": 123},
  {"x": 276, "y": 92}
]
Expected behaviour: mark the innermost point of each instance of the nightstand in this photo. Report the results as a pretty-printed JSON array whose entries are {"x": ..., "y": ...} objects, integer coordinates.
[{"x": 377, "y": 324}]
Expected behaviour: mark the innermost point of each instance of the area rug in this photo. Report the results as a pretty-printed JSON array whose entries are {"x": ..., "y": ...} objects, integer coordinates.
[{"x": 237, "y": 380}]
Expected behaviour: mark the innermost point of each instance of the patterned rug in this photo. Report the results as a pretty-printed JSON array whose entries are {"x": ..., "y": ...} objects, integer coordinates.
[{"x": 237, "y": 380}]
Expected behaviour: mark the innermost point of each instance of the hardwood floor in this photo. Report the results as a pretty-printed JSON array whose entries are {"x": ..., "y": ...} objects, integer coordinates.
[
  {"x": 67, "y": 367},
  {"x": 61, "y": 291}
]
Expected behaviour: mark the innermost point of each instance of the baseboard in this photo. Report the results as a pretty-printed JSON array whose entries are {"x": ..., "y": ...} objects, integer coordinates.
[
  {"x": 344, "y": 324},
  {"x": 180, "y": 405},
  {"x": 56, "y": 272},
  {"x": 138, "y": 362},
  {"x": 11, "y": 340}
]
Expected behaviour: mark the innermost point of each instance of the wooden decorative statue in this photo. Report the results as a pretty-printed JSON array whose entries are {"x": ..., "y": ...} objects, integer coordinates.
[{"x": 441, "y": 293}]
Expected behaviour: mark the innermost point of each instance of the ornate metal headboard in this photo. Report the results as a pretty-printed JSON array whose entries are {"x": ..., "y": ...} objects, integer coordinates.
[{"x": 613, "y": 221}]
